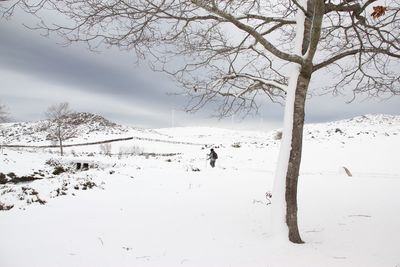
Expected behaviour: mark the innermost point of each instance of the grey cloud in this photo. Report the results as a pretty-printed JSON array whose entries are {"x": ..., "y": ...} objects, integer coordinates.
[
  {"x": 113, "y": 73},
  {"x": 105, "y": 73},
  {"x": 328, "y": 108}
]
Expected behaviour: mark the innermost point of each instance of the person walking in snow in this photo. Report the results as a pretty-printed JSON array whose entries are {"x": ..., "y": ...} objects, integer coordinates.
[{"x": 212, "y": 157}]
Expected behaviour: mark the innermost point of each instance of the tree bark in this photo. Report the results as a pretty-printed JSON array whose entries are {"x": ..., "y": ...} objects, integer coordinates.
[
  {"x": 61, "y": 148},
  {"x": 295, "y": 157}
]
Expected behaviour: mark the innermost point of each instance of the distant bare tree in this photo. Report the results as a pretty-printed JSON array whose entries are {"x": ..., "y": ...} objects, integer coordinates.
[
  {"x": 106, "y": 149},
  {"x": 58, "y": 127},
  {"x": 4, "y": 115},
  {"x": 238, "y": 50}
]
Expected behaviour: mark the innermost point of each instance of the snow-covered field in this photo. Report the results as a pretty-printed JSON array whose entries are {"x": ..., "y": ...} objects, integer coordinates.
[{"x": 156, "y": 202}]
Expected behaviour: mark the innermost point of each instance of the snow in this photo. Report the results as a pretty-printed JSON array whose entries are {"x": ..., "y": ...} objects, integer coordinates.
[{"x": 156, "y": 211}]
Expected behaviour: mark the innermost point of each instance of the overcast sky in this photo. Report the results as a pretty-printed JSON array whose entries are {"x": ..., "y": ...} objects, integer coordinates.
[{"x": 36, "y": 72}]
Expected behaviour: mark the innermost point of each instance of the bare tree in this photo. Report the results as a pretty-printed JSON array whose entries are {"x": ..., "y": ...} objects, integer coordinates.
[
  {"x": 237, "y": 51},
  {"x": 4, "y": 115},
  {"x": 58, "y": 127}
]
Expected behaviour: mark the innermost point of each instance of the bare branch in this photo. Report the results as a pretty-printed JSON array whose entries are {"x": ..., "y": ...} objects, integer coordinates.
[
  {"x": 267, "y": 45},
  {"x": 201, "y": 43},
  {"x": 343, "y": 55}
]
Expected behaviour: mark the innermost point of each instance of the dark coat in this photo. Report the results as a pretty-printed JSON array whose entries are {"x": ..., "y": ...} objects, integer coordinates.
[{"x": 213, "y": 155}]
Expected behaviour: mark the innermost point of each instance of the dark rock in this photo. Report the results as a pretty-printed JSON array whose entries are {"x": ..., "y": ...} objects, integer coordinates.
[
  {"x": 337, "y": 130},
  {"x": 89, "y": 184},
  {"x": 11, "y": 175},
  {"x": 3, "y": 178},
  {"x": 5, "y": 207}
]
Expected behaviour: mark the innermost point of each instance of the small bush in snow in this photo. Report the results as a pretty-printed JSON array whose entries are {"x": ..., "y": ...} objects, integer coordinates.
[
  {"x": 236, "y": 145},
  {"x": 53, "y": 162},
  {"x": 58, "y": 170},
  {"x": 88, "y": 185}
]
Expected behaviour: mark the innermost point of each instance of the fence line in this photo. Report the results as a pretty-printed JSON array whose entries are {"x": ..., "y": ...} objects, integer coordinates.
[{"x": 104, "y": 142}]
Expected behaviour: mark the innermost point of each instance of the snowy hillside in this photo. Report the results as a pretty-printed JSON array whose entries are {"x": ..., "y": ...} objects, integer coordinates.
[
  {"x": 154, "y": 200},
  {"x": 89, "y": 127},
  {"x": 362, "y": 126}
]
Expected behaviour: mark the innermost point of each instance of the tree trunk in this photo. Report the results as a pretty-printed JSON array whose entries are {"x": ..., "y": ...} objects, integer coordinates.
[
  {"x": 295, "y": 157},
  {"x": 61, "y": 148}
]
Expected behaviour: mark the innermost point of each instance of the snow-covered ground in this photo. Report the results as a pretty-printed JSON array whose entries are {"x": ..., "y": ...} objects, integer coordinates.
[{"x": 156, "y": 202}]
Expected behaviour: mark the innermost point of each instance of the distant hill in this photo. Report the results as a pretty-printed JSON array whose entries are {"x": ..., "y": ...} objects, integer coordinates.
[
  {"x": 92, "y": 127},
  {"x": 85, "y": 118},
  {"x": 360, "y": 126},
  {"x": 35, "y": 132}
]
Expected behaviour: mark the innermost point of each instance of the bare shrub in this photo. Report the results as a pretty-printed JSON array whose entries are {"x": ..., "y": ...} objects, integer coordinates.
[
  {"x": 236, "y": 145},
  {"x": 131, "y": 150},
  {"x": 106, "y": 149}
]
